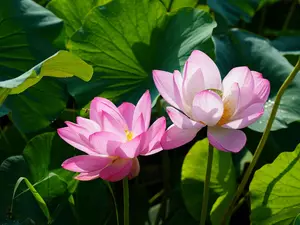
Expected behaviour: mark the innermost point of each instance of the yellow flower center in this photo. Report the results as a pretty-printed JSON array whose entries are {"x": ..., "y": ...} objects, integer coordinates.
[
  {"x": 227, "y": 113},
  {"x": 228, "y": 109},
  {"x": 129, "y": 135}
]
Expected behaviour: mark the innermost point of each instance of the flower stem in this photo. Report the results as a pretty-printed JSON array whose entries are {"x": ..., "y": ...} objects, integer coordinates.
[
  {"x": 114, "y": 200},
  {"x": 126, "y": 200},
  {"x": 262, "y": 142},
  {"x": 206, "y": 184},
  {"x": 289, "y": 15}
]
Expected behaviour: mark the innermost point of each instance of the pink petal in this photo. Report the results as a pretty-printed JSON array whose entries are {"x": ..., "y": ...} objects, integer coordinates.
[
  {"x": 241, "y": 75},
  {"x": 135, "y": 169},
  {"x": 86, "y": 163},
  {"x": 90, "y": 125},
  {"x": 143, "y": 107},
  {"x": 166, "y": 82},
  {"x": 130, "y": 149},
  {"x": 105, "y": 143},
  {"x": 117, "y": 171},
  {"x": 153, "y": 137},
  {"x": 110, "y": 124},
  {"x": 246, "y": 117},
  {"x": 207, "y": 107},
  {"x": 78, "y": 129},
  {"x": 139, "y": 126},
  {"x": 127, "y": 110},
  {"x": 193, "y": 82},
  {"x": 175, "y": 137},
  {"x": 211, "y": 74},
  {"x": 178, "y": 83},
  {"x": 226, "y": 139},
  {"x": 261, "y": 86},
  {"x": 99, "y": 104},
  {"x": 181, "y": 120},
  {"x": 74, "y": 139},
  {"x": 88, "y": 176}
]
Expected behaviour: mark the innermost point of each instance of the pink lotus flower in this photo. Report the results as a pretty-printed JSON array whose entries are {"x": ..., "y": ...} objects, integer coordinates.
[
  {"x": 113, "y": 138},
  {"x": 199, "y": 99}
]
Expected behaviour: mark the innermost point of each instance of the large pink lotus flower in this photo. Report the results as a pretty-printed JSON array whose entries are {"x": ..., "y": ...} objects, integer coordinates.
[
  {"x": 199, "y": 99},
  {"x": 113, "y": 138}
]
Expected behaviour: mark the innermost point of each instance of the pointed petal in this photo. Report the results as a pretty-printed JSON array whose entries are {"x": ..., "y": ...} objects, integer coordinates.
[
  {"x": 78, "y": 129},
  {"x": 74, "y": 139},
  {"x": 166, "y": 85},
  {"x": 90, "y": 125},
  {"x": 181, "y": 120},
  {"x": 175, "y": 137},
  {"x": 207, "y": 107},
  {"x": 226, "y": 139},
  {"x": 99, "y": 105},
  {"x": 88, "y": 176},
  {"x": 138, "y": 126},
  {"x": 178, "y": 84},
  {"x": 116, "y": 171},
  {"x": 127, "y": 110},
  {"x": 110, "y": 124},
  {"x": 135, "y": 169},
  {"x": 153, "y": 137},
  {"x": 105, "y": 143},
  {"x": 241, "y": 75},
  {"x": 211, "y": 74},
  {"x": 193, "y": 83},
  {"x": 143, "y": 107},
  {"x": 130, "y": 149},
  {"x": 86, "y": 163}
]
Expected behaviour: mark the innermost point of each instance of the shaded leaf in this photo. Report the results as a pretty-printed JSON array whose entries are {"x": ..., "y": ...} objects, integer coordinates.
[{"x": 243, "y": 48}]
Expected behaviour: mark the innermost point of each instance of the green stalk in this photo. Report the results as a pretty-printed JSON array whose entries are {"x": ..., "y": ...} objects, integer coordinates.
[
  {"x": 206, "y": 184},
  {"x": 289, "y": 16},
  {"x": 114, "y": 199},
  {"x": 126, "y": 201},
  {"x": 262, "y": 142}
]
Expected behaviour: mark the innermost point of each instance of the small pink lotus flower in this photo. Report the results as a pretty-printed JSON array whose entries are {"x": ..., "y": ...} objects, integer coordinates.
[
  {"x": 113, "y": 138},
  {"x": 203, "y": 100}
]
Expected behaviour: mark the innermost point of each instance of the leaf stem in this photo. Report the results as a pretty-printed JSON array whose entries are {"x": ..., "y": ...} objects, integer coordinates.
[
  {"x": 114, "y": 200},
  {"x": 206, "y": 184},
  {"x": 289, "y": 15},
  {"x": 126, "y": 200},
  {"x": 262, "y": 142}
]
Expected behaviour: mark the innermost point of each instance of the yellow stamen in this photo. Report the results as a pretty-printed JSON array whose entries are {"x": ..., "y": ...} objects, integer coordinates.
[
  {"x": 129, "y": 135},
  {"x": 227, "y": 113}
]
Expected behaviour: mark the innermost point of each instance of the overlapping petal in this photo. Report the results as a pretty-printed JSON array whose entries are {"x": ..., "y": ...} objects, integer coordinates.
[
  {"x": 211, "y": 74},
  {"x": 175, "y": 137},
  {"x": 86, "y": 163},
  {"x": 116, "y": 171},
  {"x": 228, "y": 140},
  {"x": 166, "y": 83},
  {"x": 207, "y": 107}
]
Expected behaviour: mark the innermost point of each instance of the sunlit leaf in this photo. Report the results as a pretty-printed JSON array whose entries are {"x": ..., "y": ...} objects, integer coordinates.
[
  {"x": 222, "y": 181},
  {"x": 124, "y": 45},
  {"x": 275, "y": 189},
  {"x": 63, "y": 64}
]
